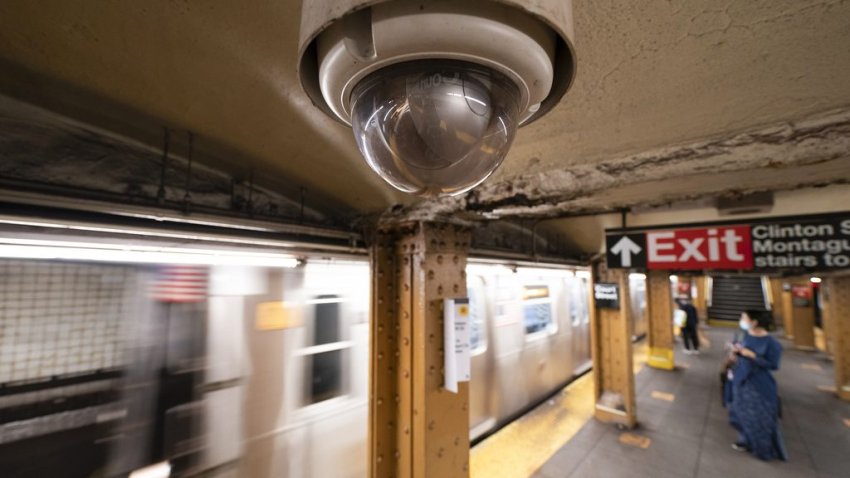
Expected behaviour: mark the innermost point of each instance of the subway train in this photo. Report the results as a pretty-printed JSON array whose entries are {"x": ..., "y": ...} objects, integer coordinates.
[
  {"x": 531, "y": 323},
  {"x": 240, "y": 370}
]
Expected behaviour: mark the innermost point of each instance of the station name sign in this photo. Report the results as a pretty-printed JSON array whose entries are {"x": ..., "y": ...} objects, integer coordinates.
[
  {"x": 806, "y": 243},
  {"x": 607, "y": 296}
]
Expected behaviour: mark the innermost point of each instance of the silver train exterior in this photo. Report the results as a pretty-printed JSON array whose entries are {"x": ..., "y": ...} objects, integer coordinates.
[
  {"x": 303, "y": 405},
  {"x": 266, "y": 374},
  {"x": 637, "y": 305}
]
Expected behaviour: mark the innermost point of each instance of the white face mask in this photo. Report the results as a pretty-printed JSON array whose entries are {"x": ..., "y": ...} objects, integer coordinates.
[{"x": 744, "y": 325}]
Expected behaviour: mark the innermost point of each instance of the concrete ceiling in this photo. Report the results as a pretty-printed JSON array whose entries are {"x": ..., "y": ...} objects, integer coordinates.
[{"x": 651, "y": 75}]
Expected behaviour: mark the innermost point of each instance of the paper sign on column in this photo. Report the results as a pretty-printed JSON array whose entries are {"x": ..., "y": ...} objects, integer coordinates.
[{"x": 456, "y": 342}]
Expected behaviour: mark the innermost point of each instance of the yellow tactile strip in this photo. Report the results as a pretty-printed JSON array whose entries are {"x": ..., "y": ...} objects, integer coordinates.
[
  {"x": 523, "y": 446},
  {"x": 637, "y": 441},
  {"x": 667, "y": 397}
]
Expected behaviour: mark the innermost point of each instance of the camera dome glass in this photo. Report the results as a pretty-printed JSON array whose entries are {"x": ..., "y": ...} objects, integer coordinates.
[{"x": 435, "y": 127}]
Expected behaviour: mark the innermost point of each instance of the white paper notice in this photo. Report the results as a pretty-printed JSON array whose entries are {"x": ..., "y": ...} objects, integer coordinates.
[{"x": 456, "y": 342}]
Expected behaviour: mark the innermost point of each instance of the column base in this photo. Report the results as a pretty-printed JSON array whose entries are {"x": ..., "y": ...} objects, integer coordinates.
[
  {"x": 661, "y": 358},
  {"x": 616, "y": 416},
  {"x": 844, "y": 393}
]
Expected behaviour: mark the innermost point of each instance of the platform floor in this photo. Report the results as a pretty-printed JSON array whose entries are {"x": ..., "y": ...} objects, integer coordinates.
[
  {"x": 683, "y": 429},
  {"x": 690, "y": 436}
]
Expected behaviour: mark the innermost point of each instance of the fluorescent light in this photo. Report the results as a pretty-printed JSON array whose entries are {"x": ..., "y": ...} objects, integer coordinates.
[
  {"x": 137, "y": 254},
  {"x": 481, "y": 269},
  {"x": 815, "y": 280},
  {"x": 545, "y": 272},
  {"x": 637, "y": 276},
  {"x": 159, "y": 470},
  {"x": 147, "y": 232},
  {"x": 583, "y": 274}
]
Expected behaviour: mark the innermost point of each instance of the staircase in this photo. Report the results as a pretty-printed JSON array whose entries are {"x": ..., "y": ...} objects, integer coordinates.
[{"x": 731, "y": 295}]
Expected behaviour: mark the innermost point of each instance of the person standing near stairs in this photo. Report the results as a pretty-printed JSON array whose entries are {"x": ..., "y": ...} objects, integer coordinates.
[{"x": 690, "y": 335}]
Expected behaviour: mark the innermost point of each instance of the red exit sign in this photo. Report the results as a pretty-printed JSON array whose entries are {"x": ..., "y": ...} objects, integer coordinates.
[
  {"x": 700, "y": 248},
  {"x": 789, "y": 243}
]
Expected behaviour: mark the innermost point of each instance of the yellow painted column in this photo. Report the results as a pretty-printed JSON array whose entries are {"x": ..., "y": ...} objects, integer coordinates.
[
  {"x": 827, "y": 320},
  {"x": 777, "y": 303},
  {"x": 612, "y": 358},
  {"x": 838, "y": 296},
  {"x": 803, "y": 316},
  {"x": 417, "y": 429},
  {"x": 659, "y": 306},
  {"x": 787, "y": 311}
]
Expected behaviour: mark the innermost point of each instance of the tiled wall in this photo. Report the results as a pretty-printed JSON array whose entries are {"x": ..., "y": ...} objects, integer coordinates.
[{"x": 59, "y": 318}]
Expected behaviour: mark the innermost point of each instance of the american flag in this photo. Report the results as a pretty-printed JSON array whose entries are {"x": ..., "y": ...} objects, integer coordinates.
[{"x": 180, "y": 283}]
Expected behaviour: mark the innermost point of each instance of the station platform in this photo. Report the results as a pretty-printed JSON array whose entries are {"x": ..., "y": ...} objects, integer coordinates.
[{"x": 683, "y": 429}]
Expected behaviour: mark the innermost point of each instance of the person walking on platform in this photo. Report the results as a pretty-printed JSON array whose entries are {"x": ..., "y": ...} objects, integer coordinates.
[
  {"x": 689, "y": 329},
  {"x": 755, "y": 407}
]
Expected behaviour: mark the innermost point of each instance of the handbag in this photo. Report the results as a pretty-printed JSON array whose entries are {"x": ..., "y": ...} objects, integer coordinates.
[{"x": 680, "y": 318}]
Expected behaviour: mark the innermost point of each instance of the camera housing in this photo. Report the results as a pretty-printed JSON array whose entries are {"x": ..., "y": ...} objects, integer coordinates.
[{"x": 435, "y": 90}]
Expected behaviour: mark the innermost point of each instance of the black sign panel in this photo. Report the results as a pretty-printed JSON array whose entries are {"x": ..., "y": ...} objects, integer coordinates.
[
  {"x": 625, "y": 251},
  {"x": 607, "y": 296},
  {"x": 811, "y": 244}
]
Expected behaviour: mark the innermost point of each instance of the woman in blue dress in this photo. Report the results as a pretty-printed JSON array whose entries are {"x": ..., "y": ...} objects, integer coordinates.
[{"x": 754, "y": 410}]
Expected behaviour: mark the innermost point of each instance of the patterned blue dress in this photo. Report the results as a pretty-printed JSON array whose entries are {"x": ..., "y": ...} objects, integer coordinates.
[{"x": 754, "y": 411}]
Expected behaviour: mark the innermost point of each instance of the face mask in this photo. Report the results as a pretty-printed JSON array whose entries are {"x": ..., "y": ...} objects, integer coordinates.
[{"x": 744, "y": 325}]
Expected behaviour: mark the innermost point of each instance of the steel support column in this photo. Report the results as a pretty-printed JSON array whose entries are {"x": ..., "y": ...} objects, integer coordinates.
[
  {"x": 827, "y": 321},
  {"x": 777, "y": 303},
  {"x": 659, "y": 304},
  {"x": 803, "y": 318},
  {"x": 787, "y": 311},
  {"x": 838, "y": 295},
  {"x": 613, "y": 369},
  {"x": 417, "y": 429}
]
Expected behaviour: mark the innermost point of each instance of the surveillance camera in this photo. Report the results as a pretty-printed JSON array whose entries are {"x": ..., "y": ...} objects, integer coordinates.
[
  {"x": 434, "y": 126},
  {"x": 435, "y": 90}
]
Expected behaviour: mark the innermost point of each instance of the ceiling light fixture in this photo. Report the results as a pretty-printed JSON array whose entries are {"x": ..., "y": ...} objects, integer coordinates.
[{"x": 137, "y": 254}]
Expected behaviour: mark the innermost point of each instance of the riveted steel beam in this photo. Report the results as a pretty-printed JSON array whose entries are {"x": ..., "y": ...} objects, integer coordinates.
[
  {"x": 611, "y": 338},
  {"x": 802, "y": 314},
  {"x": 837, "y": 295},
  {"x": 416, "y": 428}
]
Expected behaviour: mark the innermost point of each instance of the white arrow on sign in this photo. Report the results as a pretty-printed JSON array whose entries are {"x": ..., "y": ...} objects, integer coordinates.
[{"x": 625, "y": 247}]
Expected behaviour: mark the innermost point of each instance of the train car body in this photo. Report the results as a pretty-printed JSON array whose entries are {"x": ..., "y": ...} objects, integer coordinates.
[{"x": 265, "y": 373}]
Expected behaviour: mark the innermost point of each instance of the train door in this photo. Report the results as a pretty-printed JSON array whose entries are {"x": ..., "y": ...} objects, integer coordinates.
[
  {"x": 481, "y": 416},
  {"x": 539, "y": 320},
  {"x": 637, "y": 299},
  {"x": 580, "y": 322}
]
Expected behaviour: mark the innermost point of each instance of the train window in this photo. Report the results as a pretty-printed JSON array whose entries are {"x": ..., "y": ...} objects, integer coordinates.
[
  {"x": 537, "y": 309},
  {"x": 326, "y": 375},
  {"x": 326, "y": 321},
  {"x": 585, "y": 299},
  {"x": 324, "y": 359},
  {"x": 477, "y": 318},
  {"x": 578, "y": 302}
]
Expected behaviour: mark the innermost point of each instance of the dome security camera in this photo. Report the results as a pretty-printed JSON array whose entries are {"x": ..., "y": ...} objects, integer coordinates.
[{"x": 435, "y": 90}]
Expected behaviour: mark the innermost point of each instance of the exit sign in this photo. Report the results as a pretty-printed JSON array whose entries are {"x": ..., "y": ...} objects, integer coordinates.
[{"x": 783, "y": 243}]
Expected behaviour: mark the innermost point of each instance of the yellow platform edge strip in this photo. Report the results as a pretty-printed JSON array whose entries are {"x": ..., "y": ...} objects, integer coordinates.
[{"x": 522, "y": 447}]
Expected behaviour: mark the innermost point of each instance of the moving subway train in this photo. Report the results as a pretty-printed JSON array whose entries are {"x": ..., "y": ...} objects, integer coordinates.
[{"x": 241, "y": 370}]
